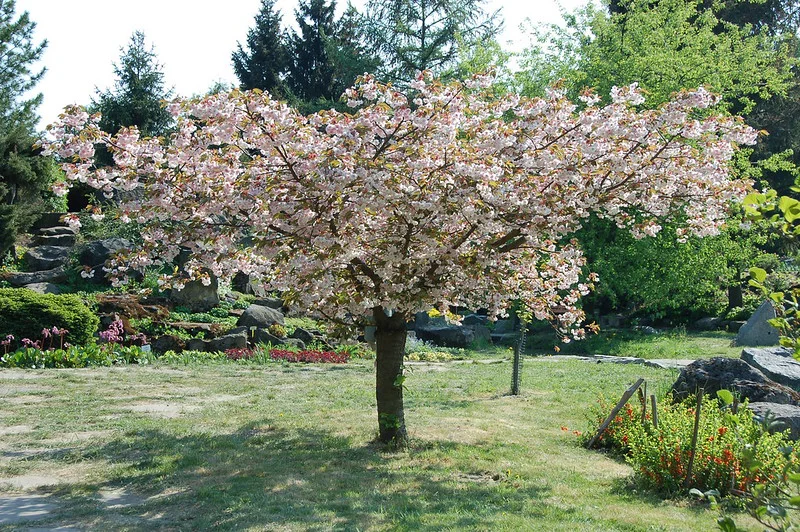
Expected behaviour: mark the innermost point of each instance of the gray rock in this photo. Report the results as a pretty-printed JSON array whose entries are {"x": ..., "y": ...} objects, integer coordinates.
[
  {"x": 196, "y": 344},
  {"x": 646, "y": 329},
  {"x": 787, "y": 416},
  {"x": 263, "y": 336},
  {"x": 421, "y": 319},
  {"x": 447, "y": 336},
  {"x": 732, "y": 374},
  {"x": 481, "y": 333},
  {"x": 196, "y": 296},
  {"x": 270, "y": 302},
  {"x": 776, "y": 363},
  {"x": 56, "y": 275},
  {"x": 757, "y": 331},
  {"x": 734, "y": 326},
  {"x": 167, "y": 342},
  {"x": 229, "y": 341},
  {"x": 48, "y": 219},
  {"x": 241, "y": 282},
  {"x": 46, "y": 257},
  {"x": 474, "y": 319},
  {"x": 43, "y": 288},
  {"x": 99, "y": 251},
  {"x": 301, "y": 334},
  {"x": 57, "y": 230},
  {"x": 260, "y": 316},
  {"x": 505, "y": 326},
  {"x": 66, "y": 240},
  {"x": 707, "y": 324}
]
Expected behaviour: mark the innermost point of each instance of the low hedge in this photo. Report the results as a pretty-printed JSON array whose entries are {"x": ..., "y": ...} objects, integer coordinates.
[{"x": 24, "y": 313}]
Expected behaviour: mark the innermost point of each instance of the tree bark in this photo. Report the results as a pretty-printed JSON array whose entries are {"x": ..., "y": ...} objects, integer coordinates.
[{"x": 390, "y": 338}]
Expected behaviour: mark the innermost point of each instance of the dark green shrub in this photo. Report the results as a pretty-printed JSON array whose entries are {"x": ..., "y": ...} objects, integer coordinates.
[{"x": 24, "y": 314}]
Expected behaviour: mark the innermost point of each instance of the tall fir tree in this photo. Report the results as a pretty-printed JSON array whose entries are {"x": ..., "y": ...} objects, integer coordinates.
[
  {"x": 24, "y": 175},
  {"x": 311, "y": 71},
  {"x": 263, "y": 63},
  {"x": 139, "y": 92},
  {"x": 415, "y": 35}
]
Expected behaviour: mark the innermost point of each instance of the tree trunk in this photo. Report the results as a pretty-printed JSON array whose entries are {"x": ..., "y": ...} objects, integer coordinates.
[
  {"x": 735, "y": 298},
  {"x": 390, "y": 337}
]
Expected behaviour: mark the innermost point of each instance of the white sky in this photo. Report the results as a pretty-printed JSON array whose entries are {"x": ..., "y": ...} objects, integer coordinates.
[{"x": 193, "y": 39}]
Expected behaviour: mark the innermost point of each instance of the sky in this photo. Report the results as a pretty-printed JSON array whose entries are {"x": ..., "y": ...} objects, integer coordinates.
[{"x": 193, "y": 40}]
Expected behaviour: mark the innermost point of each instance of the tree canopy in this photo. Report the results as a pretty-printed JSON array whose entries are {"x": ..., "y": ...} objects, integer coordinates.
[{"x": 460, "y": 197}]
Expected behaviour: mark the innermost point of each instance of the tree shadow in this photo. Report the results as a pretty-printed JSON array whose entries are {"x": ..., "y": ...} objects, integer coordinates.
[{"x": 265, "y": 476}]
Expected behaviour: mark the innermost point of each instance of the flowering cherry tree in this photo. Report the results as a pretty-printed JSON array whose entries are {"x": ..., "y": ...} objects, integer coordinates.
[{"x": 455, "y": 195}]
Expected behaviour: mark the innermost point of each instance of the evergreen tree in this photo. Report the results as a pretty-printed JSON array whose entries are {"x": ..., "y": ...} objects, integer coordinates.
[
  {"x": 349, "y": 50},
  {"x": 139, "y": 92},
  {"x": 311, "y": 72},
  {"x": 24, "y": 175},
  {"x": 415, "y": 35},
  {"x": 265, "y": 61}
]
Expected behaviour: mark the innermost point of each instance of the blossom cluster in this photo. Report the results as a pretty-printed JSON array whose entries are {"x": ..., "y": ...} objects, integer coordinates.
[{"x": 453, "y": 197}]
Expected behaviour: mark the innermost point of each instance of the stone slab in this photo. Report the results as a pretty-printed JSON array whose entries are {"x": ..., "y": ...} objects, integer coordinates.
[
  {"x": 757, "y": 332},
  {"x": 777, "y": 363}
]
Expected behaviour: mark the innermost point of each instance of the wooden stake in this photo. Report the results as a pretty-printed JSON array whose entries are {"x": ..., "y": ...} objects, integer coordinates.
[
  {"x": 643, "y": 399},
  {"x": 688, "y": 478},
  {"x": 604, "y": 425},
  {"x": 654, "y": 410}
]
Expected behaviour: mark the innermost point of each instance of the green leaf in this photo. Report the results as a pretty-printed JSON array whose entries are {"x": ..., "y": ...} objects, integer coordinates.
[
  {"x": 726, "y": 524},
  {"x": 790, "y": 208},
  {"x": 794, "y": 477},
  {"x": 777, "y": 297},
  {"x": 759, "y": 274},
  {"x": 725, "y": 396},
  {"x": 697, "y": 493},
  {"x": 795, "y": 501}
]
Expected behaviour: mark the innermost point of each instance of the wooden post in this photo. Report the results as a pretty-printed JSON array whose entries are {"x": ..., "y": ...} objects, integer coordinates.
[
  {"x": 687, "y": 481},
  {"x": 604, "y": 425},
  {"x": 643, "y": 400},
  {"x": 654, "y": 410}
]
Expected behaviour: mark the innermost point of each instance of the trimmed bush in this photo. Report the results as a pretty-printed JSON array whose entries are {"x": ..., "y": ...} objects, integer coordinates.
[{"x": 24, "y": 313}]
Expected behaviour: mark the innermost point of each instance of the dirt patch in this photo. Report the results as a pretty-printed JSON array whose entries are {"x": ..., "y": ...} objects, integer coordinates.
[
  {"x": 25, "y": 399},
  {"x": 20, "y": 508},
  {"x": 120, "y": 498},
  {"x": 15, "y": 429},
  {"x": 13, "y": 389},
  {"x": 73, "y": 437},
  {"x": 31, "y": 481},
  {"x": 19, "y": 375}
]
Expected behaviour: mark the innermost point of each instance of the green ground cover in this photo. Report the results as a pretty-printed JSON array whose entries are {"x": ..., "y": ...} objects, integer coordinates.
[{"x": 284, "y": 446}]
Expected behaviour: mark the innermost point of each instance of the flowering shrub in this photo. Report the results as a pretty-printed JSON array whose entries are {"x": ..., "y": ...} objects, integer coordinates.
[
  {"x": 309, "y": 355},
  {"x": 239, "y": 354},
  {"x": 74, "y": 356},
  {"x": 728, "y": 446},
  {"x": 616, "y": 437}
]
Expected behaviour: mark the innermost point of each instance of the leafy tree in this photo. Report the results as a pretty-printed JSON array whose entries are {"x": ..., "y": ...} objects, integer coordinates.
[
  {"x": 458, "y": 197},
  {"x": 349, "y": 51},
  {"x": 24, "y": 177},
  {"x": 265, "y": 62},
  {"x": 139, "y": 92},
  {"x": 415, "y": 35}
]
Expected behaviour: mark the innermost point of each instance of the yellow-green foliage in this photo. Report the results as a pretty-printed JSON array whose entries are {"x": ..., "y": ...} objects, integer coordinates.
[{"x": 24, "y": 313}]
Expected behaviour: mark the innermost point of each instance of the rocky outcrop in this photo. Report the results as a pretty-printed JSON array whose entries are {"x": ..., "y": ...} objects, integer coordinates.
[
  {"x": 757, "y": 332},
  {"x": 55, "y": 275},
  {"x": 777, "y": 363},
  {"x": 785, "y": 416},
  {"x": 260, "y": 316},
  {"x": 732, "y": 374},
  {"x": 46, "y": 257}
]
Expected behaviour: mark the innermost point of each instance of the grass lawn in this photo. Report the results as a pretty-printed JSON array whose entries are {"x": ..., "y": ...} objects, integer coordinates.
[
  {"x": 288, "y": 447},
  {"x": 625, "y": 342}
]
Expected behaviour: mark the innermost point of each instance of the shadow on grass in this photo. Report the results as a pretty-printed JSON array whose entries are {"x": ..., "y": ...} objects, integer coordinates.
[{"x": 265, "y": 476}]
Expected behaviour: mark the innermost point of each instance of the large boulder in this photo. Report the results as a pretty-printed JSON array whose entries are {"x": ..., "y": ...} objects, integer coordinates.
[
  {"x": 97, "y": 252},
  {"x": 757, "y": 332},
  {"x": 57, "y": 230},
  {"x": 732, "y": 374},
  {"x": 707, "y": 324},
  {"x": 260, "y": 316},
  {"x": 167, "y": 342},
  {"x": 241, "y": 282},
  {"x": 777, "y": 363},
  {"x": 46, "y": 257},
  {"x": 196, "y": 296},
  {"x": 56, "y": 275},
  {"x": 229, "y": 341},
  {"x": 64, "y": 240},
  {"x": 787, "y": 416},
  {"x": 447, "y": 336},
  {"x": 43, "y": 288}
]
